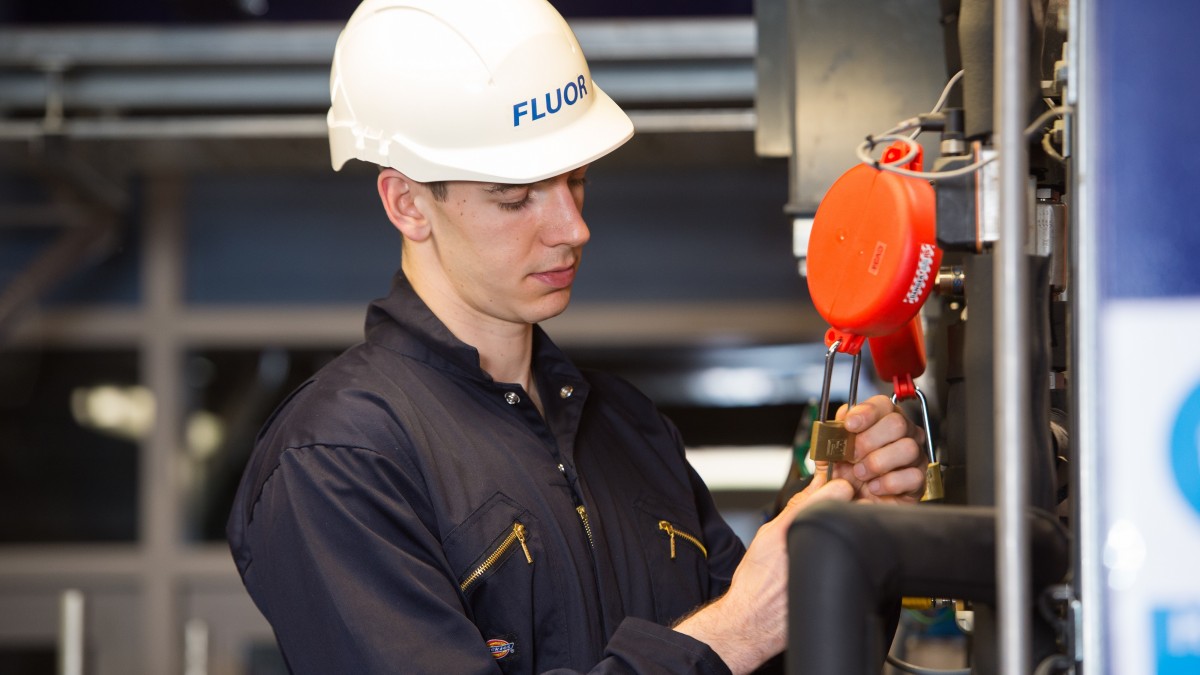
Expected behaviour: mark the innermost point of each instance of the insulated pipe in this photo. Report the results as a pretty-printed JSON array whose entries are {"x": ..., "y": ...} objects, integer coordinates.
[
  {"x": 851, "y": 563},
  {"x": 975, "y": 36}
]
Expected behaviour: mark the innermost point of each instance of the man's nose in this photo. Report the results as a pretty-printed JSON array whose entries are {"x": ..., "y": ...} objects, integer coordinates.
[{"x": 566, "y": 224}]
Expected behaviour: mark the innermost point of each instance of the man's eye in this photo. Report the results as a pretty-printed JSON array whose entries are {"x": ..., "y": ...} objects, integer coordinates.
[{"x": 515, "y": 206}]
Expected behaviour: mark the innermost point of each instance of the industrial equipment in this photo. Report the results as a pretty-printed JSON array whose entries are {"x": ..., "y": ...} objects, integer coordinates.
[{"x": 986, "y": 227}]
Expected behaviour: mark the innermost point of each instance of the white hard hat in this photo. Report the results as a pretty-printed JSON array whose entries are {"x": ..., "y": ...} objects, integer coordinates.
[{"x": 483, "y": 90}]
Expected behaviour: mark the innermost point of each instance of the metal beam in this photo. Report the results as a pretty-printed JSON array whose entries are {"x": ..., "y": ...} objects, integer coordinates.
[
  {"x": 312, "y": 44},
  {"x": 119, "y": 71}
]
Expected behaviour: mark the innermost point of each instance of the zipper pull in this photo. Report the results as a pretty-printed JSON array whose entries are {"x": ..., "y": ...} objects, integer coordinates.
[
  {"x": 670, "y": 530},
  {"x": 587, "y": 526},
  {"x": 519, "y": 530}
]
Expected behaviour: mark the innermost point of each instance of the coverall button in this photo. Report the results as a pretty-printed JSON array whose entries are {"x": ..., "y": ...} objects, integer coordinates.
[{"x": 512, "y": 398}]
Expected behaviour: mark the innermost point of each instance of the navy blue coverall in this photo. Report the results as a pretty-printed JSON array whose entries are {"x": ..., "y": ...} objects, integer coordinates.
[{"x": 404, "y": 513}]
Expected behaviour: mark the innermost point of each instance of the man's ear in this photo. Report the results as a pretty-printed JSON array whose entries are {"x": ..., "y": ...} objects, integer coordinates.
[{"x": 398, "y": 194}]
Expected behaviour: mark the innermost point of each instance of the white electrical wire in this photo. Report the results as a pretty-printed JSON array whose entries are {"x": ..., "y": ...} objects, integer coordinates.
[
  {"x": 1051, "y": 151},
  {"x": 1041, "y": 120},
  {"x": 937, "y": 107},
  {"x": 863, "y": 151},
  {"x": 941, "y": 102},
  {"x": 864, "y": 155}
]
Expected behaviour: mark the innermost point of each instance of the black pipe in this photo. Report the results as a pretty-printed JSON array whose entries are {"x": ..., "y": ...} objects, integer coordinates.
[
  {"x": 949, "y": 21},
  {"x": 979, "y": 355},
  {"x": 851, "y": 563}
]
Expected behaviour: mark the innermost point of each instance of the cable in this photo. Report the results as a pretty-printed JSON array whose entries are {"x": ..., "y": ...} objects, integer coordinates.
[
  {"x": 1041, "y": 120},
  {"x": 864, "y": 149},
  {"x": 1051, "y": 151},
  {"x": 1055, "y": 663},
  {"x": 921, "y": 670},
  {"x": 937, "y": 107},
  {"x": 864, "y": 155}
]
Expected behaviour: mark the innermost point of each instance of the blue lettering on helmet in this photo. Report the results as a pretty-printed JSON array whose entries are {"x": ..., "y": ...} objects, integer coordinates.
[
  {"x": 566, "y": 95},
  {"x": 550, "y": 107}
]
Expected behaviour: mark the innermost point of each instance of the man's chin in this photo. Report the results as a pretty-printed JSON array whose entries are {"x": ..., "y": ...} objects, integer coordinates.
[{"x": 551, "y": 306}]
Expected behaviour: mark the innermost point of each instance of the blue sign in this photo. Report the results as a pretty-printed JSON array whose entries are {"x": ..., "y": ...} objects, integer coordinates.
[
  {"x": 1177, "y": 640},
  {"x": 1185, "y": 449}
]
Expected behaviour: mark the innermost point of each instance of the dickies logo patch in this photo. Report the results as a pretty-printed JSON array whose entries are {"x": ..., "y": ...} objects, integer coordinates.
[{"x": 500, "y": 648}]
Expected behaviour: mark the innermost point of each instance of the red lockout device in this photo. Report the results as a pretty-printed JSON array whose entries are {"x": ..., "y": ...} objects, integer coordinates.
[
  {"x": 899, "y": 357},
  {"x": 873, "y": 254},
  {"x": 872, "y": 261}
]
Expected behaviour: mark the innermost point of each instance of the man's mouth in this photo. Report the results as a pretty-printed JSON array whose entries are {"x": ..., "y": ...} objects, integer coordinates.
[{"x": 558, "y": 277}]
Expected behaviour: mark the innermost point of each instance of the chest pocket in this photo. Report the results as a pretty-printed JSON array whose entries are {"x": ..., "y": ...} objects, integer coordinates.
[
  {"x": 676, "y": 557},
  {"x": 495, "y": 556}
]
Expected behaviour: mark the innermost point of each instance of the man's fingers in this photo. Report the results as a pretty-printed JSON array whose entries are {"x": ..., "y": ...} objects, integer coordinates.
[
  {"x": 838, "y": 490},
  {"x": 890, "y": 428},
  {"x": 898, "y": 454},
  {"x": 904, "y": 482},
  {"x": 867, "y": 413}
]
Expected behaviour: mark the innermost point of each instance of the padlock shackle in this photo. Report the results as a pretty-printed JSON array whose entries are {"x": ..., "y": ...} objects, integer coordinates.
[
  {"x": 854, "y": 380},
  {"x": 829, "y": 354},
  {"x": 924, "y": 418}
]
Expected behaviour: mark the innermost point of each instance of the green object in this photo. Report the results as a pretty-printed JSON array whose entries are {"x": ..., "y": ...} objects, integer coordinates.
[{"x": 802, "y": 441}]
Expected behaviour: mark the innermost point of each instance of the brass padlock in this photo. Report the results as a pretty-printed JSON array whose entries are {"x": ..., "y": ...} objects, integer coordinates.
[
  {"x": 831, "y": 441},
  {"x": 935, "y": 490}
]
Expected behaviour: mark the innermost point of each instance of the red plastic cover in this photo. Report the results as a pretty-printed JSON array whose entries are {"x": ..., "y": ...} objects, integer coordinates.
[{"x": 872, "y": 255}]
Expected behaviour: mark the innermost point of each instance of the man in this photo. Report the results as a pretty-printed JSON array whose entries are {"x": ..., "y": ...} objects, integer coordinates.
[{"x": 453, "y": 495}]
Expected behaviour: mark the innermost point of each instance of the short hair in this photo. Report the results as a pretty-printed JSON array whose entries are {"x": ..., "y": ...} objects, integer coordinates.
[{"x": 438, "y": 188}]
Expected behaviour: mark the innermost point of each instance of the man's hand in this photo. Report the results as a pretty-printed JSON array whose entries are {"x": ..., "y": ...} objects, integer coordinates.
[
  {"x": 888, "y": 465},
  {"x": 748, "y": 625}
]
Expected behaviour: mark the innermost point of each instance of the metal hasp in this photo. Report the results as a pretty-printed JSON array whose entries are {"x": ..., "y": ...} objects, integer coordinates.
[{"x": 851, "y": 563}]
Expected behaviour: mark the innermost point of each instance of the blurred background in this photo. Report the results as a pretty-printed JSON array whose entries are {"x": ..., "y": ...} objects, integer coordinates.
[{"x": 176, "y": 255}]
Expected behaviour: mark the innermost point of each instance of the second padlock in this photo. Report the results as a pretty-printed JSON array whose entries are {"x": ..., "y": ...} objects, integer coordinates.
[{"x": 935, "y": 490}]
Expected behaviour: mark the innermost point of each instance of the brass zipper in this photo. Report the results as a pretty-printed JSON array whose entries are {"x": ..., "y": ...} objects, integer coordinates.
[
  {"x": 673, "y": 532},
  {"x": 517, "y": 534},
  {"x": 587, "y": 528}
]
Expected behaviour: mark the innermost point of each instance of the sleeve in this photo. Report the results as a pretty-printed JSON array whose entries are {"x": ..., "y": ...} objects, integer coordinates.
[
  {"x": 725, "y": 552},
  {"x": 725, "y": 549},
  {"x": 352, "y": 580}
]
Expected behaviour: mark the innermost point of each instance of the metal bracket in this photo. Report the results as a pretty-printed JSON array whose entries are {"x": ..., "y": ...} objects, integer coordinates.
[{"x": 1061, "y": 608}]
